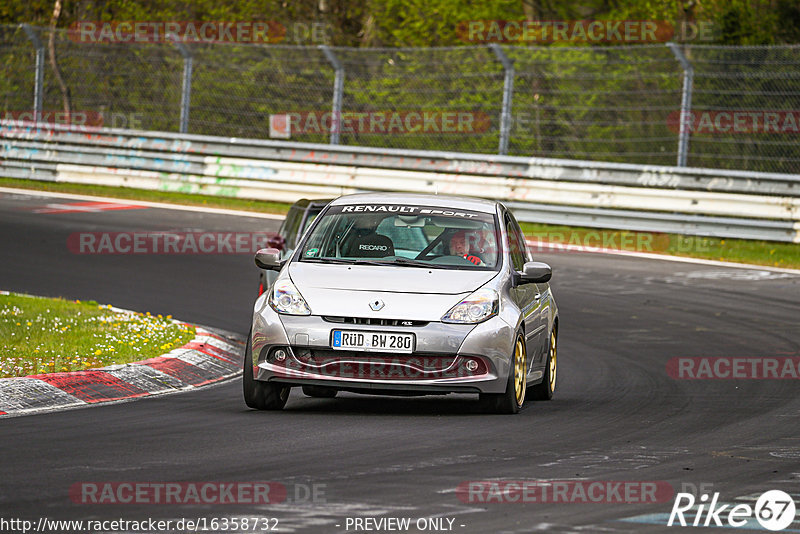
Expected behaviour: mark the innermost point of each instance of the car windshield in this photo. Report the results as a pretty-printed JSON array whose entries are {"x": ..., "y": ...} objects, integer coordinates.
[{"x": 404, "y": 235}]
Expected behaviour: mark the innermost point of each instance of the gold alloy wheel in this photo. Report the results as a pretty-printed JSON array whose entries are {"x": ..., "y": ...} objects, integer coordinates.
[
  {"x": 519, "y": 371},
  {"x": 553, "y": 362}
]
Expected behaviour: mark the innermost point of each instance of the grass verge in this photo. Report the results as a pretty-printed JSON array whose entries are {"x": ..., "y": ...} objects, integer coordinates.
[
  {"x": 770, "y": 253},
  {"x": 43, "y": 335}
]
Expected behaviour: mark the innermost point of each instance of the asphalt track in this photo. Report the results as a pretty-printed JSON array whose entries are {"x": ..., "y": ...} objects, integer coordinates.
[{"x": 617, "y": 416}]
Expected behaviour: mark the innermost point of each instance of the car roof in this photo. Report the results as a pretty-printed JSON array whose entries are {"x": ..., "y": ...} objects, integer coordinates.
[{"x": 443, "y": 201}]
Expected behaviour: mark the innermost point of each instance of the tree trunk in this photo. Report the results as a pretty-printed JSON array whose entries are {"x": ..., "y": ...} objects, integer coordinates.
[{"x": 51, "y": 45}]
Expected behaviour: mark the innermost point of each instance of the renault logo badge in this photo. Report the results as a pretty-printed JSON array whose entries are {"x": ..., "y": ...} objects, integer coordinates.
[{"x": 377, "y": 304}]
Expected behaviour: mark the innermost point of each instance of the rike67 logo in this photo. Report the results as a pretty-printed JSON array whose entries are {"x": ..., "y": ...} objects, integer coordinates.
[{"x": 774, "y": 510}]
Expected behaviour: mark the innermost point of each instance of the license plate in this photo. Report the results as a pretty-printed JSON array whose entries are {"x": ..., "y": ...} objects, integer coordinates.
[{"x": 377, "y": 341}]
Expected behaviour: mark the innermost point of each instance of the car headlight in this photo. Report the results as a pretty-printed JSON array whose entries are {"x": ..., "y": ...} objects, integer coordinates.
[
  {"x": 481, "y": 305},
  {"x": 285, "y": 298}
]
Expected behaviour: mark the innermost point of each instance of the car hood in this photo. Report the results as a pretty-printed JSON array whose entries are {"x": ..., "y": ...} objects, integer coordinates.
[
  {"x": 406, "y": 292},
  {"x": 389, "y": 278}
]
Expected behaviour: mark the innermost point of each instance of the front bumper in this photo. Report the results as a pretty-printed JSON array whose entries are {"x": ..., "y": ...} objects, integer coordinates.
[{"x": 439, "y": 364}]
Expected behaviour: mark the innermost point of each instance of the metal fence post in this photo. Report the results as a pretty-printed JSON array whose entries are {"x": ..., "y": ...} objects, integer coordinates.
[
  {"x": 186, "y": 85},
  {"x": 686, "y": 104},
  {"x": 38, "y": 86},
  {"x": 338, "y": 90},
  {"x": 508, "y": 93}
]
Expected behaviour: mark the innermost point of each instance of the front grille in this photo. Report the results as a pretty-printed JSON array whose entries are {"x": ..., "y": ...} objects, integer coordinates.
[
  {"x": 346, "y": 364},
  {"x": 373, "y": 321},
  {"x": 423, "y": 362}
]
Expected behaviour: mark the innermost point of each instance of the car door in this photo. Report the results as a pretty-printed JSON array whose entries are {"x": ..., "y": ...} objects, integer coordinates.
[
  {"x": 543, "y": 296},
  {"x": 526, "y": 296},
  {"x": 545, "y": 312}
]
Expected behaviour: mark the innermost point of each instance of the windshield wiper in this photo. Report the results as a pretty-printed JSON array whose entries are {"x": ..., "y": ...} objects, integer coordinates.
[
  {"x": 415, "y": 263},
  {"x": 328, "y": 260},
  {"x": 370, "y": 262},
  {"x": 394, "y": 262},
  {"x": 344, "y": 261}
]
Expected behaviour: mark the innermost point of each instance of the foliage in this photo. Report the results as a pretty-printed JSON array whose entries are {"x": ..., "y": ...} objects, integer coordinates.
[
  {"x": 55, "y": 335},
  {"x": 431, "y": 22},
  {"x": 603, "y": 101}
]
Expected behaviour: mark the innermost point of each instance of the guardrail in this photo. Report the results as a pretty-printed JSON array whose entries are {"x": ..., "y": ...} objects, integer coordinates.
[{"x": 691, "y": 201}]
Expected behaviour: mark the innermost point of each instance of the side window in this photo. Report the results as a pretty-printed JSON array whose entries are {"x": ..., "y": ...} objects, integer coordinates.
[
  {"x": 516, "y": 244},
  {"x": 312, "y": 214},
  {"x": 291, "y": 227},
  {"x": 526, "y": 252}
]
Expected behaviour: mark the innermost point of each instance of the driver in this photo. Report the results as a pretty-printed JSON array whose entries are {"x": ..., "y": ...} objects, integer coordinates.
[{"x": 460, "y": 246}]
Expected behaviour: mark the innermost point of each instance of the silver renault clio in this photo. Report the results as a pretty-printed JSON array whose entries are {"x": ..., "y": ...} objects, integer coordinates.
[{"x": 405, "y": 294}]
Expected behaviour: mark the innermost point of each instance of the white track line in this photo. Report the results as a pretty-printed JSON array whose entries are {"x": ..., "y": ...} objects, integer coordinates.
[
  {"x": 561, "y": 246},
  {"x": 160, "y": 205},
  {"x": 663, "y": 257}
]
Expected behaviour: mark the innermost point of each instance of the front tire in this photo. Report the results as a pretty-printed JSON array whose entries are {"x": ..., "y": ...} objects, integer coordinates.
[
  {"x": 257, "y": 394},
  {"x": 512, "y": 400},
  {"x": 547, "y": 388}
]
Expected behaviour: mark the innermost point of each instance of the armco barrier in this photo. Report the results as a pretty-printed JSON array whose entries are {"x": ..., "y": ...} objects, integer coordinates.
[{"x": 606, "y": 195}]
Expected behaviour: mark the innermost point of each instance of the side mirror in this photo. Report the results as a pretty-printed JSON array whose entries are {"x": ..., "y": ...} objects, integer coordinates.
[
  {"x": 535, "y": 272},
  {"x": 269, "y": 259},
  {"x": 276, "y": 241}
]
